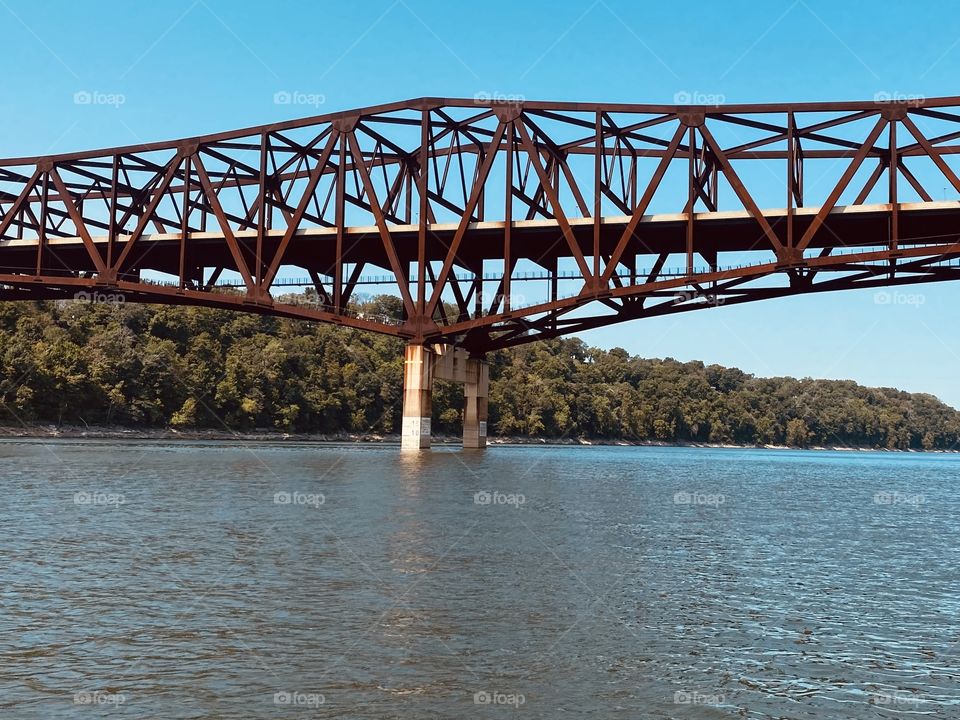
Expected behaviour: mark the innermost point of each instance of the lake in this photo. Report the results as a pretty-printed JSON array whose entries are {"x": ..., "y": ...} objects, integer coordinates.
[{"x": 223, "y": 580}]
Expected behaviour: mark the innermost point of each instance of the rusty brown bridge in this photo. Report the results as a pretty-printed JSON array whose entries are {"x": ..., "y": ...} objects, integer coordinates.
[{"x": 496, "y": 223}]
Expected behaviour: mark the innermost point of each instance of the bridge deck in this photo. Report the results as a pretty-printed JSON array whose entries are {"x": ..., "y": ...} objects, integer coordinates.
[{"x": 539, "y": 240}]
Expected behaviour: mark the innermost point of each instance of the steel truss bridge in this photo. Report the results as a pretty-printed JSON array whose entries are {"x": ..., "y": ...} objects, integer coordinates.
[{"x": 611, "y": 212}]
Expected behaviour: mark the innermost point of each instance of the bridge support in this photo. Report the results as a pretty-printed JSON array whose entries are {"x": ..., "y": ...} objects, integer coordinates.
[
  {"x": 422, "y": 365},
  {"x": 475, "y": 392},
  {"x": 418, "y": 365}
]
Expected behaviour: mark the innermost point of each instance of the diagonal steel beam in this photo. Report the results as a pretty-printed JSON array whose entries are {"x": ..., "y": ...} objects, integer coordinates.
[
  {"x": 171, "y": 171},
  {"x": 841, "y": 185},
  {"x": 554, "y": 200},
  {"x": 18, "y": 204},
  {"x": 228, "y": 236},
  {"x": 464, "y": 223},
  {"x": 642, "y": 206},
  {"x": 294, "y": 223},
  {"x": 740, "y": 189},
  {"x": 403, "y": 282},
  {"x": 932, "y": 152},
  {"x": 78, "y": 222}
]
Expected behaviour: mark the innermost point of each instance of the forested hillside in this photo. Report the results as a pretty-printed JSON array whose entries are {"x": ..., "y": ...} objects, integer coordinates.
[{"x": 145, "y": 366}]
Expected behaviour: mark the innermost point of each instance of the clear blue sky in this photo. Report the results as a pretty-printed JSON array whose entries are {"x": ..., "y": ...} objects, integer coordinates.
[{"x": 186, "y": 67}]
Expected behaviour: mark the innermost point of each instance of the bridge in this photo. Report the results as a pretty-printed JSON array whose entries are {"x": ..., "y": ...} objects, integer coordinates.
[{"x": 495, "y": 223}]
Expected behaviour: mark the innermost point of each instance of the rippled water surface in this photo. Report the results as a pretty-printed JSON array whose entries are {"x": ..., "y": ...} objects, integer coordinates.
[{"x": 279, "y": 581}]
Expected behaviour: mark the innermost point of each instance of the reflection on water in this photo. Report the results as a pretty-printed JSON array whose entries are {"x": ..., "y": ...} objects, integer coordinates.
[{"x": 209, "y": 580}]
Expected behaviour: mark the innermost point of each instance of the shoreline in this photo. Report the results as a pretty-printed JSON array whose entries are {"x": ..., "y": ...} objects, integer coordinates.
[{"x": 73, "y": 432}]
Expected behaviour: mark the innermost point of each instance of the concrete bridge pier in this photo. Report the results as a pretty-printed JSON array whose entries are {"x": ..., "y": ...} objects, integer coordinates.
[
  {"x": 475, "y": 392},
  {"x": 418, "y": 362},
  {"x": 423, "y": 364}
]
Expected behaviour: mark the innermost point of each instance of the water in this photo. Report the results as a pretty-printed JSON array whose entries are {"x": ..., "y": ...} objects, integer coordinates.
[{"x": 171, "y": 581}]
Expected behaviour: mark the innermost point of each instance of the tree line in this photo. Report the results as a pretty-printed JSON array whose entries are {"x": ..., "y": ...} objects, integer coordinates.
[{"x": 141, "y": 366}]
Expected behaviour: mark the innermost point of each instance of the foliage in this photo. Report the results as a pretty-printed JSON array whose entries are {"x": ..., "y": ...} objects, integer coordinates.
[{"x": 146, "y": 366}]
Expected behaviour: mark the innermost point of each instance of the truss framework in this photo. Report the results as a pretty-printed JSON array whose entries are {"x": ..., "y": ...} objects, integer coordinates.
[{"x": 456, "y": 200}]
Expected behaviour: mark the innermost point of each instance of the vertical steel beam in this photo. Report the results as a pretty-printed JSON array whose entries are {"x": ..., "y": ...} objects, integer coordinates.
[
  {"x": 112, "y": 224},
  {"x": 893, "y": 172},
  {"x": 339, "y": 221},
  {"x": 691, "y": 195},
  {"x": 791, "y": 160},
  {"x": 598, "y": 141},
  {"x": 42, "y": 235},
  {"x": 423, "y": 180},
  {"x": 263, "y": 209},
  {"x": 185, "y": 221},
  {"x": 508, "y": 220}
]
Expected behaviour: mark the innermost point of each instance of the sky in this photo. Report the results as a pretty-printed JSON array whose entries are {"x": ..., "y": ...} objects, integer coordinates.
[{"x": 87, "y": 75}]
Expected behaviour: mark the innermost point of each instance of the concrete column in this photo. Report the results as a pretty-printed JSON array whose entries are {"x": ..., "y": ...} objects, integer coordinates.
[
  {"x": 417, "y": 398},
  {"x": 475, "y": 392}
]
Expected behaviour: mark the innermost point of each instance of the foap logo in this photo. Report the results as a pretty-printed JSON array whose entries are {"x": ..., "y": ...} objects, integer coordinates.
[
  {"x": 885, "y": 297},
  {"x": 99, "y": 498},
  {"x": 513, "y": 300},
  {"x": 686, "y": 97},
  {"x": 899, "y": 98},
  {"x": 298, "y": 97},
  {"x": 299, "y": 498},
  {"x": 95, "y": 97},
  {"x": 698, "y": 298},
  {"x": 487, "y": 697},
  {"x": 495, "y": 497},
  {"x": 688, "y": 697},
  {"x": 892, "y": 497},
  {"x": 293, "y": 698},
  {"x": 100, "y": 298},
  {"x": 98, "y": 697},
  {"x": 894, "y": 699},
  {"x": 698, "y": 498},
  {"x": 498, "y": 98}
]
